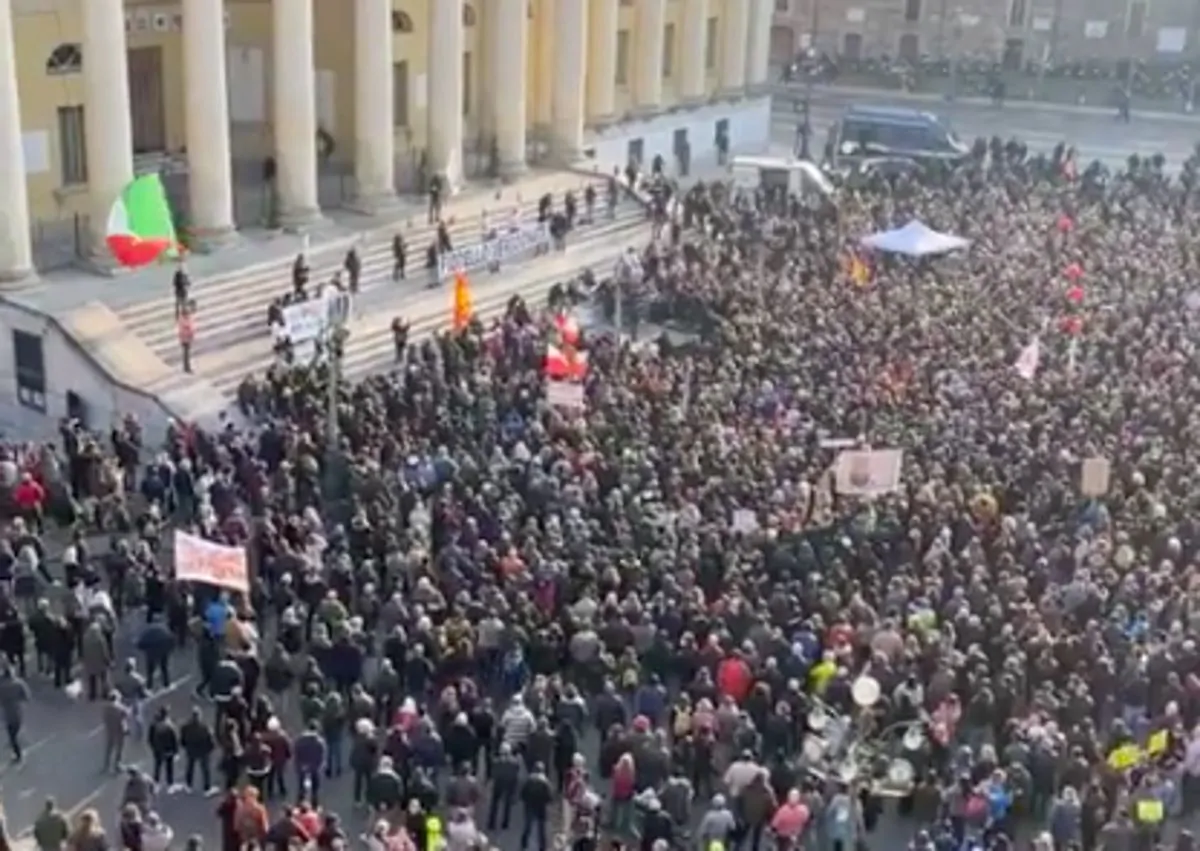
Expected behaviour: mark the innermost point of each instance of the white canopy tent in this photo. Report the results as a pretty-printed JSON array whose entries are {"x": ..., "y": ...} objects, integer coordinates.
[{"x": 915, "y": 239}]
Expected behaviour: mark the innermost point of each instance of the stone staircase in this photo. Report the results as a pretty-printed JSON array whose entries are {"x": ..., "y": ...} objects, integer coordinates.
[
  {"x": 370, "y": 349},
  {"x": 232, "y": 339}
]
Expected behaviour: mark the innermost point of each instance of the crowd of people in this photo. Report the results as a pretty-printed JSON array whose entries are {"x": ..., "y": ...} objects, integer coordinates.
[{"x": 630, "y": 623}]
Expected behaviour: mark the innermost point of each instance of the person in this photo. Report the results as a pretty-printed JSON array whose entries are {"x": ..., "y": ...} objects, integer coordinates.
[
  {"x": 51, "y": 829},
  {"x": 399, "y": 257},
  {"x": 181, "y": 283},
  {"x": 505, "y": 776},
  {"x": 156, "y": 644},
  {"x": 250, "y": 818},
  {"x": 164, "y": 741},
  {"x": 115, "y": 718},
  {"x": 353, "y": 266},
  {"x": 198, "y": 743},
  {"x": 536, "y": 796},
  {"x": 14, "y": 694},
  {"x": 185, "y": 329},
  {"x": 156, "y": 834}
]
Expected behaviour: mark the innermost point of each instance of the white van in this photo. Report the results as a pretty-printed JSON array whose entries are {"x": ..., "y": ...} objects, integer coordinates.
[{"x": 801, "y": 177}]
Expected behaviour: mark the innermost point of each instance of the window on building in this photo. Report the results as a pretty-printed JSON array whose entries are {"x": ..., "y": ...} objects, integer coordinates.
[
  {"x": 467, "y": 83},
  {"x": 668, "y": 49},
  {"x": 912, "y": 10},
  {"x": 468, "y": 15},
  {"x": 401, "y": 22},
  {"x": 1136, "y": 23},
  {"x": 72, "y": 149},
  {"x": 622, "y": 57},
  {"x": 400, "y": 94},
  {"x": 781, "y": 6},
  {"x": 710, "y": 45},
  {"x": 65, "y": 59},
  {"x": 1016, "y": 13},
  {"x": 30, "y": 361}
]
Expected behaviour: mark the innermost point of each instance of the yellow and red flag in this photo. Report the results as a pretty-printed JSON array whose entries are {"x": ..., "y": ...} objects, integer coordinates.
[{"x": 463, "y": 306}]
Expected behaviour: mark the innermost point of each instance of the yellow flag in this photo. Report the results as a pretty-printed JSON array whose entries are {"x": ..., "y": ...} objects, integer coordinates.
[
  {"x": 1158, "y": 742},
  {"x": 1126, "y": 756}
]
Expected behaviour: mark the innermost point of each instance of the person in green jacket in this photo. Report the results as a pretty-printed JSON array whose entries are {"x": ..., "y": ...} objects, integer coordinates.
[{"x": 51, "y": 829}]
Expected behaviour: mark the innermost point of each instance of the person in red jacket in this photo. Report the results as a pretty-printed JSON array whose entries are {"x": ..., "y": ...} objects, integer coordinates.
[
  {"x": 30, "y": 498},
  {"x": 734, "y": 677}
]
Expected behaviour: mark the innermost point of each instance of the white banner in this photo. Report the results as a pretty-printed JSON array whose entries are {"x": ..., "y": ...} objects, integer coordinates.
[
  {"x": 506, "y": 245},
  {"x": 565, "y": 394},
  {"x": 198, "y": 560},
  {"x": 868, "y": 472},
  {"x": 306, "y": 322}
]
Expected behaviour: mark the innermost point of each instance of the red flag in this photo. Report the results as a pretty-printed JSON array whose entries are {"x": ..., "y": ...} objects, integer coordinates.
[
  {"x": 565, "y": 364},
  {"x": 568, "y": 329},
  {"x": 1071, "y": 325},
  {"x": 1073, "y": 272},
  {"x": 1075, "y": 294}
]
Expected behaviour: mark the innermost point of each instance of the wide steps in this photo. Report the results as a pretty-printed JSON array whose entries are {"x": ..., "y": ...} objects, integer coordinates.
[
  {"x": 370, "y": 348},
  {"x": 232, "y": 307}
]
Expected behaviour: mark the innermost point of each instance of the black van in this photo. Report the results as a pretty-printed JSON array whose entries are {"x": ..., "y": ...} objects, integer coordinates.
[{"x": 870, "y": 132}]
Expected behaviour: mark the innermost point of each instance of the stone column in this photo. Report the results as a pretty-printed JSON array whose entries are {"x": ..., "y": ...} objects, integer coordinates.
[
  {"x": 374, "y": 107},
  {"x": 648, "y": 66},
  {"x": 109, "y": 136},
  {"x": 295, "y": 114},
  {"x": 758, "y": 60},
  {"x": 602, "y": 62},
  {"x": 16, "y": 250},
  {"x": 446, "y": 91},
  {"x": 735, "y": 32},
  {"x": 509, "y": 113},
  {"x": 570, "y": 70},
  {"x": 693, "y": 49},
  {"x": 206, "y": 114}
]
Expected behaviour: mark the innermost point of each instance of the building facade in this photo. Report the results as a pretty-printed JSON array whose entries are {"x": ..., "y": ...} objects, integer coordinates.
[
  {"x": 1009, "y": 31},
  {"x": 224, "y": 92}
]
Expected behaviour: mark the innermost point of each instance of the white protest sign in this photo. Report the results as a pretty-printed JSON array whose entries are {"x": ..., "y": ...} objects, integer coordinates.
[
  {"x": 1094, "y": 477},
  {"x": 565, "y": 394},
  {"x": 745, "y": 521},
  {"x": 870, "y": 472}
]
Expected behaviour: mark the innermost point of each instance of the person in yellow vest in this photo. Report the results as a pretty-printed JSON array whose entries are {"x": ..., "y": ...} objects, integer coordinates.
[
  {"x": 434, "y": 840},
  {"x": 1149, "y": 812}
]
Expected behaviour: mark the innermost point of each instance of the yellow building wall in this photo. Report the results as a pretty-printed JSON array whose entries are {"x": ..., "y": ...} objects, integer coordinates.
[
  {"x": 670, "y": 83},
  {"x": 36, "y": 35},
  {"x": 43, "y": 25}
]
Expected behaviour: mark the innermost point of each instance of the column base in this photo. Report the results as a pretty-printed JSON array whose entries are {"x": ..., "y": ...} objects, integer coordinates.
[
  {"x": 300, "y": 220},
  {"x": 511, "y": 171},
  {"x": 212, "y": 240},
  {"x": 603, "y": 122},
  {"x": 13, "y": 280},
  {"x": 693, "y": 101},
  {"x": 374, "y": 203},
  {"x": 647, "y": 110},
  {"x": 735, "y": 94}
]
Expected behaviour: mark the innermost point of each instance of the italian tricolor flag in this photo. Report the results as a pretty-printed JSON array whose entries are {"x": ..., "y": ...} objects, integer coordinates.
[{"x": 140, "y": 226}]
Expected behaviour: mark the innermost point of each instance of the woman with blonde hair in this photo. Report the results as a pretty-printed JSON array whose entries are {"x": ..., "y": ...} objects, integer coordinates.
[{"x": 88, "y": 835}]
